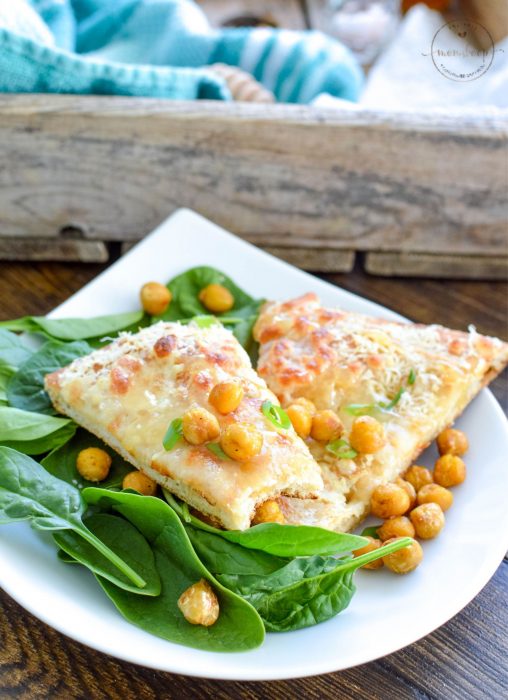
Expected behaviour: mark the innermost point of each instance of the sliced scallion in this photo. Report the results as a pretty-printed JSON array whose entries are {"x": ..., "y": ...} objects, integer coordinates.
[
  {"x": 341, "y": 449},
  {"x": 217, "y": 450},
  {"x": 393, "y": 402},
  {"x": 276, "y": 415},
  {"x": 173, "y": 434}
]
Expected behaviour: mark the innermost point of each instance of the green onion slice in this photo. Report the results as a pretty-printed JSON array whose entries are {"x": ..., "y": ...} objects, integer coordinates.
[
  {"x": 412, "y": 377},
  {"x": 394, "y": 401},
  {"x": 217, "y": 450},
  {"x": 276, "y": 415},
  {"x": 360, "y": 409},
  {"x": 341, "y": 449},
  {"x": 173, "y": 434}
]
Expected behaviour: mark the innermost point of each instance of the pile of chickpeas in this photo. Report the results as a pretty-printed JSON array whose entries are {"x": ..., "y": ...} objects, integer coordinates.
[{"x": 414, "y": 505}]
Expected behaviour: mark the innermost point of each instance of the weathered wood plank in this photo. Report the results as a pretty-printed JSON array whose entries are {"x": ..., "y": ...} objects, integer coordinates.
[
  {"x": 287, "y": 14},
  {"x": 321, "y": 259},
  {"x": 52, "y": 249},
  {"x": 115, "y": 167},
  {"x": 437, "y": 266}
]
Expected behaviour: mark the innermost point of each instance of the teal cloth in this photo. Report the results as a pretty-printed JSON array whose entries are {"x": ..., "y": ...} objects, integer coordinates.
[{"x": 159, "y": 48}]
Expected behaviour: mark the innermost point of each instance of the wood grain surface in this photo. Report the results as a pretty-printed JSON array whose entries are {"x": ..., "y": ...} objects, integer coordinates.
[
  {"x": 467, "y": 658},
  {"x": 364, "y": 181}
]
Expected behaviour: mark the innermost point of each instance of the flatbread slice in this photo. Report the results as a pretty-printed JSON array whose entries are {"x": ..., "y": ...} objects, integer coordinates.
[
  {"x": 129, "y": 392},
  {"x": 414, "y": 379}
]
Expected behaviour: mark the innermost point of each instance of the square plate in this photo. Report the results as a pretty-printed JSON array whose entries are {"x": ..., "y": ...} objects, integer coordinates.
[{"x": 387, "y": 613}]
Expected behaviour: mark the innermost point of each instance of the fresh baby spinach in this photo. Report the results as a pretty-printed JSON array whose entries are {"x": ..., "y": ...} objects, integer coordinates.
[
  {"x": 122, "y": 538},
  {"x": 28, "y": 492},
  {"x": 75, "y": 328},
  {"x": 13, "y": 351},
  {"x": 26, "y": 388},
  {"x": 185, "y": 304},
  {"x": 281, "y": 540},
  {"x": 33, "y": 433},
  {"x": 61, "y": 462},
  {"x": 238, "y": 627},
  {"x": 6, "y": 373},
  {"x": 288, "y": 593},
  {"x": 185, "y": 289},
  {"x": 223, "y": 557},
  {"x": 305, "y": 592},
  {"x": 371, "y": 531}
]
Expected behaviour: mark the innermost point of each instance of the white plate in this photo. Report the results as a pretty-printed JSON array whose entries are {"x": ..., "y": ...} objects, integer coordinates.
[{"x": 387, "y": 613}]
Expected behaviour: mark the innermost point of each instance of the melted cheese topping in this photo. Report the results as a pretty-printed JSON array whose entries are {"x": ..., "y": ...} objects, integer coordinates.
[
  {"x": 129, "y": 392},
  {"x": 337, "y": 359}
]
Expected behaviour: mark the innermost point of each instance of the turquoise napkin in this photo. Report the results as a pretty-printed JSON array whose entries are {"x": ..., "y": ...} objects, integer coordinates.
[{"x": 159, "y": 48}]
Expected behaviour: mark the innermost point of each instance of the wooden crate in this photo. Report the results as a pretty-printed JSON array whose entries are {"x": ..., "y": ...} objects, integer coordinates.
[{"x": 415, "y": 195}]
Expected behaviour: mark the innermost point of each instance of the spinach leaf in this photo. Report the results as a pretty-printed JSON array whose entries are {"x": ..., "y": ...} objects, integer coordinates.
[
  {"x": 122, "y": 538},
  {"x": 238, "y": 628},
  {"x": 61, "y": 462},
  {"x": 223, "y": 557},
  {"x": 185, "y": 303},
  {"x": 185, "y": 289},
  {"x": 371, "y": 531},
  {"x": 28, "y": 492},
  {"x": 6, "y": 373},
  {"x": 295, "y": 570},
  {"x": 281, "y": 540},
  {"x": 13, "y": 351},
  {"x": 26, "y": 388},
  {"x": 305, "y": 592},
  {"x": 75, "y": 328},
  {"x": 33, "y": 433}
]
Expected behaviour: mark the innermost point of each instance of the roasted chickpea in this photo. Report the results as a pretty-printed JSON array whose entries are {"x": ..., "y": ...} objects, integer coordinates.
[
  {"x": 418, "y": 477},
  {"x": 400, "y": 526},
  {"x": 241, "y": 441},
  {"x": 137, "y": 481},
  {"x": 268, "y": 512},
  {"x": 199, "y": 426},
  {"x": 433, "y": 493},
  {"x": 449, "y": 470},
  {"x": 409, "y": 489},
  {"x": 367, "y": 435},
  {"x": 155, "y": 298},
  {"x": 216, "y": 298},
  {"x": 301, "y": 419},
  {"x": 93, "y": 464},
  {"x": 452, "y": 442},
  {"x": 404, "y": 560},
  {"x": 306, "y": 403},
  {"x": 326, "y": 426},
  {"x": 389, "y": 500},
  {"x": 199, "y": 604},
  {"x": 225, "y": 397},
  {"x": 370, "y": 547},
  {"x": 428, "y": 520}
]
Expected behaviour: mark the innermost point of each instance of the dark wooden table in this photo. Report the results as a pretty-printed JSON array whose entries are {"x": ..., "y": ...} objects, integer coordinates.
[{"x": 465, "y": 659}]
